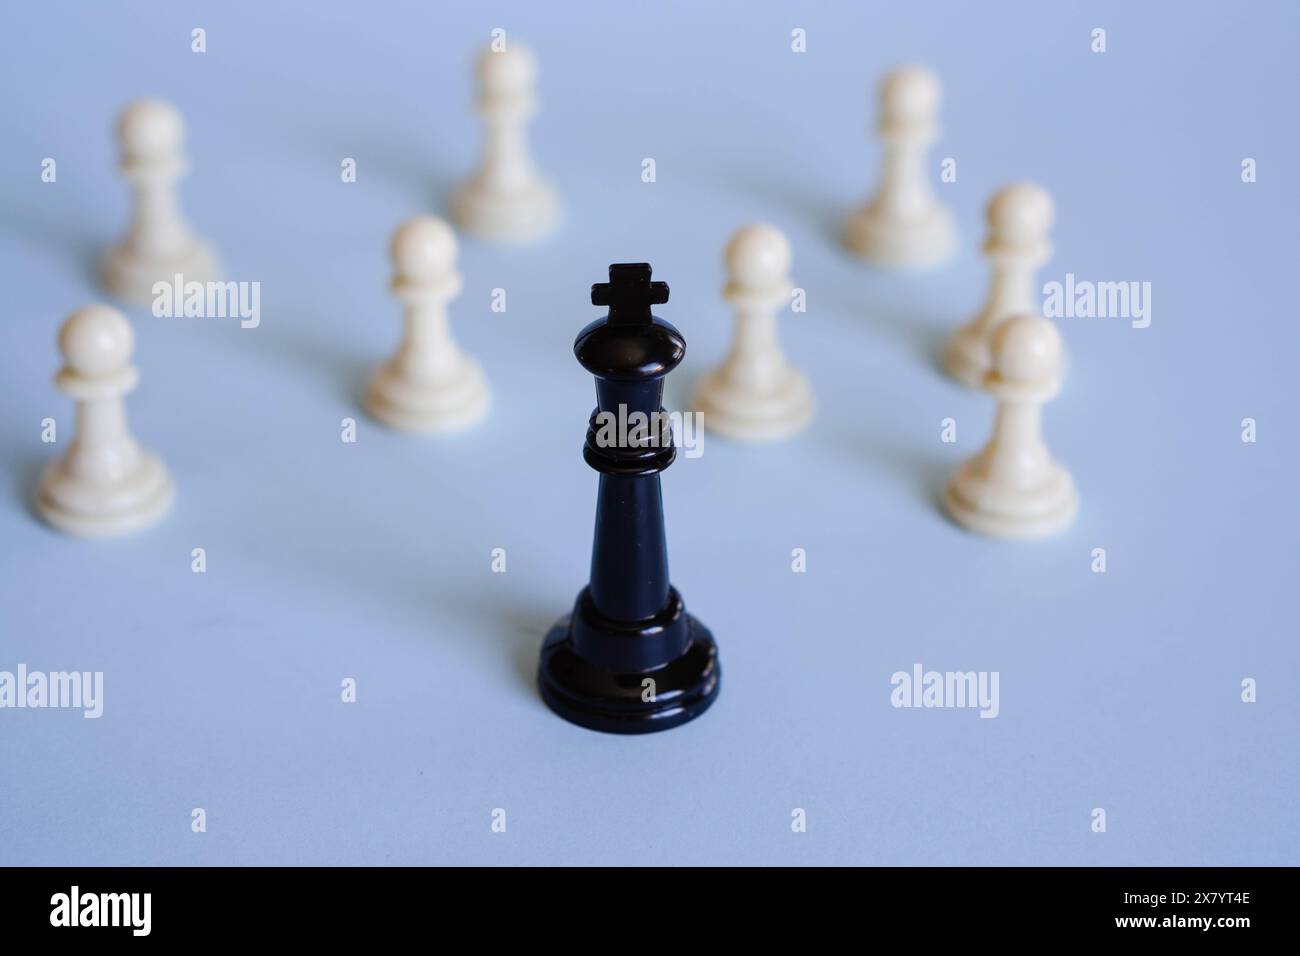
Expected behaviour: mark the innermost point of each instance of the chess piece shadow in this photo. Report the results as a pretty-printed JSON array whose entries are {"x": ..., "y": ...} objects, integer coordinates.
[
  {"x": 520, "y": 625},
  {"x": 920, "y": 471},
  {"x": 923, "y": 474},
  {"x": 407, "y": 592},
  {"x": 66, "y": 242},
  {"x": 24, "y": 481},
  {"x": 797, "y": 203},
  {"x": 290, "y": 342},
  {"x": 922, "y": 334},
  {"x": 413, "y": 168},
  {"x": 526, "y": 628}
]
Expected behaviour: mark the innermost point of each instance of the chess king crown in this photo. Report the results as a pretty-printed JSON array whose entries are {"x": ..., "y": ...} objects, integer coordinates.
[{"x": 629, "y": 352}]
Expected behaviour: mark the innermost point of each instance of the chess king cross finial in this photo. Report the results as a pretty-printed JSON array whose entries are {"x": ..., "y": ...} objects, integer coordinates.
[{"x": 629, "y": 293}]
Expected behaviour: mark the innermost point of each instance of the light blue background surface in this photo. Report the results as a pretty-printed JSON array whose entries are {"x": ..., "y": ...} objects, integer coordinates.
[{"x": 328, "y": 560}]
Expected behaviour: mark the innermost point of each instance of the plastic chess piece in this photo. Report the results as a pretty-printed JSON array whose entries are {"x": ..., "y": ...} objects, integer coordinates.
[
  {"x": 904, "y": 225},
  {"x": 429, "y": 385},
  {"x": 755, "y": 394},
  {"x": 629, "y": 659},
  {"x": 506, "y": 198},
  {"x": 159, "y": 245},
  {"x": 1013, "y": 488},
  {"x": 105, "y": 484},
  {"x": 1019, "y": 218}
]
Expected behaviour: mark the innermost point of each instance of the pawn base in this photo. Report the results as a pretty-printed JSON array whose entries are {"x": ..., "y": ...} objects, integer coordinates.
[
  {"x": 998, "y": 510},
  {"x": 517, "y": 215},
  {"x": 444, "y": 405},
  {"x": 131, "y": 278},
  {"x": 96, "y": 510},
  {"x": 599, "y": 699},
  {"x": 894, "y": 243},
  {"x": 744, "y": 414}
]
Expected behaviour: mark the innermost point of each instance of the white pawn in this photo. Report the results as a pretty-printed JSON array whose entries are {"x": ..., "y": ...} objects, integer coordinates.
[
  {"x": 159, "y": 244},
  {"x": 1019, "y": 217},
  {"x": 904, "y": 224},
  {"x": 1013, "y": 488},
  {"x": 105, "y": 484},
  {"x": 505, "y": 198},
  {"x": 429, "y": 385},
  {"x": 755, "y": 394}
]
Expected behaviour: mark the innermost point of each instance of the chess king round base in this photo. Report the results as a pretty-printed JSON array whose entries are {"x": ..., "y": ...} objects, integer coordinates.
[
  {"x": 629, "y": 659},
  {"x": 637, "y": 702}
]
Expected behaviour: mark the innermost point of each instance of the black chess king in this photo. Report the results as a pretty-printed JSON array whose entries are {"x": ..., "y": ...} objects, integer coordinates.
[{"x": 629, "y": 659}]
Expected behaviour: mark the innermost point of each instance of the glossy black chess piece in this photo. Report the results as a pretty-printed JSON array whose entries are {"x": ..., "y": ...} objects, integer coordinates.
[{"x": 629, "y": 659}]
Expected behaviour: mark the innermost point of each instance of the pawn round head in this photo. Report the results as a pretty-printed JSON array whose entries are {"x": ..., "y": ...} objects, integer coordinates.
[
  {"x": 1021, "y": 213},
  {"x": 758, "y": 256},
  {"x": 910, "y": 94},
  {"x": 150, "y": 129},
  {"x": 96, "y": 340},
  {"x": 1027, "y": 350},
  {"x": 423, "y": 248},
  {"x": 506, "y": 71}
]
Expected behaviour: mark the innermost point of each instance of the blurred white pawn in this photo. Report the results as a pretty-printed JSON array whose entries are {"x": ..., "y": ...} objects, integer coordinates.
[
  {"x": 755, "y": 394},
  {"x": 159, "y": 244},
  {"x": 1013, "y": 488},
  {"x": 904, "y": 225},
  {"x": 105, "y": 484},
  {"x": 1019, "y": 218},
  {"x": 505, "y": 198},
  {"x": 430, "y": 385}
]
